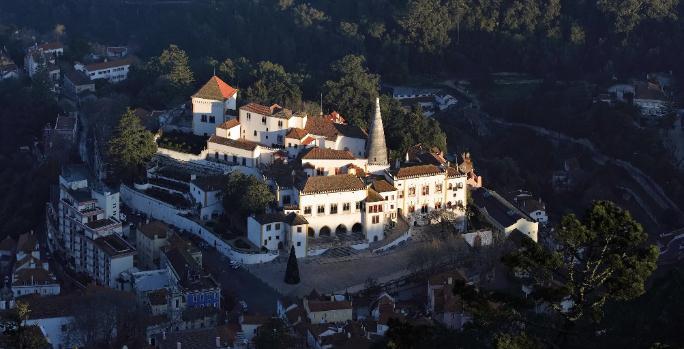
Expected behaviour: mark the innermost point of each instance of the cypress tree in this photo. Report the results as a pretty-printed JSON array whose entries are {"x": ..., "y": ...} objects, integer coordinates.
[{"x": 292, "y": 271}]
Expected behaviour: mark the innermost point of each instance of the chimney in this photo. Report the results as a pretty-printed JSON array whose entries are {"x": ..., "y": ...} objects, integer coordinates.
[{"x": 218, "y": 341}]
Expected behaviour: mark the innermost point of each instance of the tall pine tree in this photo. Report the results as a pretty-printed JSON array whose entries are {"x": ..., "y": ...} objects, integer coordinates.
[
  {"x": 292, "y": 271},
  {"x": 131, "y": 148}
]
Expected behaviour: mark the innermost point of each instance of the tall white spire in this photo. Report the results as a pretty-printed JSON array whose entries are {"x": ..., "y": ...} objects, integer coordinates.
[{"x": 376, "y": 146}]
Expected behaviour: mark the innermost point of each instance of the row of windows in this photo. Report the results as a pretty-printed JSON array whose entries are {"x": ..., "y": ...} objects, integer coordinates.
[
  {"x": 333, "y": 209},
  {"x": 425, "y": 189}
]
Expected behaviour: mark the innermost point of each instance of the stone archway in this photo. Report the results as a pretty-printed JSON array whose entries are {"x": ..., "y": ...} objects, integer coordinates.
[
  {"x": 357, "y": 228},
  {"x": 310, "y": 232},
  {"x": 341, "y": 229},
  {"x": 325, "y": 231}
]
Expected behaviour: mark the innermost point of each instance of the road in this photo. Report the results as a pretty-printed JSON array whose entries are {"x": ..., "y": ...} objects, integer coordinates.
[
  {"x": 650, "y": 186},
  {"x": 260, "y": 298}
]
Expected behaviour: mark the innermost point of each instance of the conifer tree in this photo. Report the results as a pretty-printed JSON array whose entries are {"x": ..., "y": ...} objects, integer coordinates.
[
  {"x": 292, "y": 271},
  {"x": 131, "y": 147}
]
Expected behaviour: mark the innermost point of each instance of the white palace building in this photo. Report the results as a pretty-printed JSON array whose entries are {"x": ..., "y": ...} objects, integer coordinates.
[{"x": 331, "y": 179}]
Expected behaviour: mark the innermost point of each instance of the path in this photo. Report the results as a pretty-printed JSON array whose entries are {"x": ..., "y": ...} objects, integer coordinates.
[{"x": 650, "y": 186}]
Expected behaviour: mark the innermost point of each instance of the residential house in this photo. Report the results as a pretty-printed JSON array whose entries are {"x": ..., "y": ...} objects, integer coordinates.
[
  {"x": 503, "y": 215},
  {"x": 532, "y": 206},
  {"x": 206, "y": 193},
  {"x": 320, "y": 310},
  {"x": 445, "y": 306},
  {"x": 278, "y": 231},
  {"x": 8, "y": 69},
  {"x": 150, "y": 238},
  {"x": 113, "y": 71},
  {"x": 77, "y": 86}
]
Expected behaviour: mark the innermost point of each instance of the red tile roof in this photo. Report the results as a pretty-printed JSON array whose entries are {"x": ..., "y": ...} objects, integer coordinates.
[
  {"x": 296, "y": 133},
  {"x": 229, "y": 124},
  {"x": 329, "y": 184},
  {"x": 108, "y": 64},
  {"x": 308, "y": 140},
  {"x": 383, "y": 186},
  {"x": 257, "y": 108},
  {"x": 316, "y": 306},
  {"x": 215, "y": 89},
  {"x": 418, "y": 171},
  {"x": 317, "y": 153},
  {"x": 235, "y": 143}
]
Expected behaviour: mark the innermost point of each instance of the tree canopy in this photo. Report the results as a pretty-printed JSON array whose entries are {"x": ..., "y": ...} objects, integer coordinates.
[
  {"x": 603, "y": 256},
  {"x": 131, "y": 147},
  {"x": 245, "y": 194}
]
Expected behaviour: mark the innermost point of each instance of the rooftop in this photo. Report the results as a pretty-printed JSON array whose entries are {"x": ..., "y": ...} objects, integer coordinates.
[
  {"x": 65, "y": 122},
  {"x": 291, "y": 218},
  {"x": 417, "y": 171},
  {"x": 317, "y": 153},
  {"x": 496, "y": 207},
  {"x": 107, "y": 64},
  {"x": 210, "y": 183},
  {"x": 114, "y": 246},
  {"x": 235, "y": 143},
  {"x": 215, "y": 89},
  {"x": 154, "y": 228},
  {"x": 229, "y": 124},
  {"x": 296, "y": 133},
  {"x": 382, "y": 186},
  {"x": 331, "y": 184}
]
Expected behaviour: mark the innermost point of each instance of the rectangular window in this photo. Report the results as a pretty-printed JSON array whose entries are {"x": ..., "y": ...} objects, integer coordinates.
[
  {"x": 263, "y": 120},
  {"x": 333, "y": 208},
  {"x": 438, "y": 188},
  {"x": 412, "y": 191},
  {"x": 212, "y": 119},
  {"x": 321, "y": 209},
  {"x": 320, "y": 171},
  {"x": 346, "y": 207},
  {"x": 358, "y": 205},
  {"x": 203, "y": 118},
  {"x": 277, "y": 226},
  {"x": 280, "y": 123},
  {"x": 299, "y": 243},
  {"x": 425, "y": 190},
  {"x": 307, "y": 210},
  {"x": 268, "y": 227},
  {"x": 299, "y": 229},
  {"x": 255, "y": 133},
  {"x": 249, "y": 116},
  {"x": 376, "y": 219}
]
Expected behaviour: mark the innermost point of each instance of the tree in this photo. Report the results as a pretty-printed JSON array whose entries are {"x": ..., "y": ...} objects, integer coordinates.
[
  {"x": 274, "y": 85},
  {"x": 352, "y": 91},
  {"x": 245, "y": 194},
  {"x": 292, "y": 271},
  {"x": 175, "y": 66},
  {"x": 131, "y": 147},
  {"x": 21, "y": 335},
  {"x": 604, "y": 256},
  {"x": 273, "y": 335},
  {"x": 428, "y": 24},
  {"x": 627, "y": 14}
]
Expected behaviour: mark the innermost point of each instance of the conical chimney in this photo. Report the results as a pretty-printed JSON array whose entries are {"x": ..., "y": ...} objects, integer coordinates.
[{"x": 377, "y": 148}]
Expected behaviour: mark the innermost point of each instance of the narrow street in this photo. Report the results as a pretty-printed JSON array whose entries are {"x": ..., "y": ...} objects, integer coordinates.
[{"x": 260, "y": 298}]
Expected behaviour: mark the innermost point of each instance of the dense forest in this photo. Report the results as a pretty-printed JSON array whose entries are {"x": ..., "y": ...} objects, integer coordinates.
[{"x": 399, "y": 38}]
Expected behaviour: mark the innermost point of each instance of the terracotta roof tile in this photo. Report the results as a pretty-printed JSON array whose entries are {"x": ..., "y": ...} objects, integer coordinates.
[
  {"x": 215, "y": 89},
  {"x": 235, "y": 143},
  {"x": 317, "y": 153},
  {"x": 296, "y": 133},
  {"x": 257, "y": 108},
  {"x": 330, "y": 184},
  {"x": 373, "y": 196},
  {"x": 308, "y": 140},
  {"x": 383, "y": 186},
  {"x": 229, "y": 124},
  {"x": 108, "y": 64},
  {"x": 316, "y": 306},
  {"x": 418, "y": 171},
  {"x": 210, "y": 183}
]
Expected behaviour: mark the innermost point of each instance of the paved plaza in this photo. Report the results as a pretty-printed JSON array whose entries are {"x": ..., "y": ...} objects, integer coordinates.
[{"x": 341, "y": 270}]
